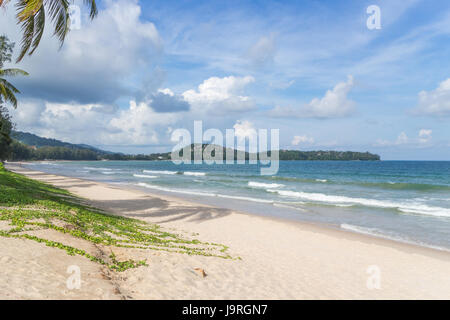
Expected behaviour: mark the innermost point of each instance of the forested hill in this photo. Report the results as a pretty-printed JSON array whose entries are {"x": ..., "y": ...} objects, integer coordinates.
[
  {"x": 30, "y": 139},
  {"x": 27, "y": 146}
]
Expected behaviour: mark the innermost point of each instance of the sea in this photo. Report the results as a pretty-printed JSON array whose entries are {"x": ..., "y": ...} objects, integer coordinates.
[{"x": 405, "y": 201}]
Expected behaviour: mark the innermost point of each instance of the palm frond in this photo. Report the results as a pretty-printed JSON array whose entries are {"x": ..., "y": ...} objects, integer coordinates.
[
  {"x": 12, "y": 72},
  {"x": 93, "y": 6},
  {"x": 7, "y": 93},
  {"x": 59, "y": 13},
  {"x": 9, "y": 86},
  {"x": 39, "y": 26},
  {"x": 31, "y": 16},
  {"x": 29, "y": 8},
  {"x": 11, "y": 98},
  {"x": 27, "y": 30}
]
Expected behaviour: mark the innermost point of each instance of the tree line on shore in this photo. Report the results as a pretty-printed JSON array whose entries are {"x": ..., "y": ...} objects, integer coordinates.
[{"x": 21, "y": 152}]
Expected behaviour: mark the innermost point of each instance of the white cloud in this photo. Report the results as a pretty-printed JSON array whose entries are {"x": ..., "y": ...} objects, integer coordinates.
[
  {"x": 435, "y": 102},
  {"x": 138, "y": 124},
  {"x": 97, "y": 61},
  {"x": 334, "y": 104},
  {"x": 302, "y": 139},
  {"x": 425, "y": 135},
  {"x": 402, "y": 138},
  {"x": 221, "y": 95},
  {"x": 244, "y": 129}
]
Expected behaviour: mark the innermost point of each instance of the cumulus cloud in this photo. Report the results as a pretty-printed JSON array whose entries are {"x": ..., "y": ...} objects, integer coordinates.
[
  {"x": 221, "y": 95},
  {"x": 245, "y": 130},
  {"x": 138, "y": 124},
  {"x": 424, "y": 137},
  {"x": 435, "y": 102},
  {"x": 96, "y": 62},
  {"x": 302, "y": 139},
  {"x": 334, "y": 104},
  {"x": 166, "y": 101}
]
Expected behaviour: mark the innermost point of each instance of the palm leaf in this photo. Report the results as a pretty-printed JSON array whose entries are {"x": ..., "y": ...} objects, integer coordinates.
[
  {"x": 9, "y": 86},
  {"x": 29, "y": 8},
  {"x": 7, "y": 93},
  {"x": 39, "y": 25},
  {"x": 27, "y": 30},
  {"x": 31, "y": 15},
  {"x": 59, "y": 13},
  {"x": 93, "y": 6},
  {"x": 12, "y": 72},
  {"x": 11, "y": 97}
]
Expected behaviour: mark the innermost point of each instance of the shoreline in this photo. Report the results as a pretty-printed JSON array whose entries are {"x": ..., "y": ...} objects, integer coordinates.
[
  {"x": 321, "y": 226},
  {"x": 312, "y": 248}
]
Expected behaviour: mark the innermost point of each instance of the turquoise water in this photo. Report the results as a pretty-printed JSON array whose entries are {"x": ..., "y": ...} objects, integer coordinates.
[{"x": 406, "y": 201}]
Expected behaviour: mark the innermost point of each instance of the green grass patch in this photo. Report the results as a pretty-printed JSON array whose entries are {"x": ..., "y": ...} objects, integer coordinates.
[{"x": 29, "y": 205}]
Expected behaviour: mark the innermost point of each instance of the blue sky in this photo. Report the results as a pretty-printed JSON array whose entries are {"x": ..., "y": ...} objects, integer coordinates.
[{"x": 312, "y": 69}]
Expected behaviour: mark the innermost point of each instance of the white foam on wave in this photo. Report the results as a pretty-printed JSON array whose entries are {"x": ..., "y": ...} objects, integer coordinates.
[
  {"x": 48, "y": 163},
  {"x": 264, "y": 185},
  {"x": 186, "y": 173},
  {"x": 403, "y": 207},
  {"x": 192, "y": 173},
  {"x": 97, "y": 169},
  {"x": 160, "y": 171},
  {"x": 380, "y": 234},
  {"x": 144, "y": 176},
  {"x": 321, "y": 180}
]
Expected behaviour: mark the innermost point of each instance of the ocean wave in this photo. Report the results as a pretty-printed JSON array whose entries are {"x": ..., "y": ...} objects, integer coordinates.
[
  {"x": 244, "y": 198},
  {"x": 160, "y": 172},
  {"x": 264, "y": 185},
  {"x": 380, "y": 234},
  {"x": 144, "y": 176},
  {"x": 47, "y": 163},
  {"x": 388, "y": 185},
  {"x": 186, "y": 173},
  {"x": 192, "y": 173},
  {"x": 199, "y": 193},
  {"x": 97, "y": 169},
  {"x": 332, "y": 199}
]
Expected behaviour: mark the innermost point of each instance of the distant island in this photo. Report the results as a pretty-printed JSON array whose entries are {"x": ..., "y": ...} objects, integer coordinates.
[{"x": 27, "y": 146}]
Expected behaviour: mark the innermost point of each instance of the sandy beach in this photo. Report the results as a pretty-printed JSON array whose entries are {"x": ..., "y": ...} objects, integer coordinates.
[{"x": 273, "y": 258}]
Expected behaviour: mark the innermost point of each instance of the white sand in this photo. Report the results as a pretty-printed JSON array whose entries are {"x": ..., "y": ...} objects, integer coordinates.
[{"x": 280, "y": 259}]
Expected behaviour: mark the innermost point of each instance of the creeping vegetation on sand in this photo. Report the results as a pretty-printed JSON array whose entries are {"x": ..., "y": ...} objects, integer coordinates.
[{"x": 29, "y": 206}]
